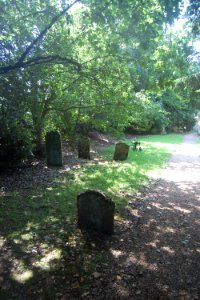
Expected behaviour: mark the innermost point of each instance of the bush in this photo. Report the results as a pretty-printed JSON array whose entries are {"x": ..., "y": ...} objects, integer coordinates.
[{"x": 15, "y": 142}]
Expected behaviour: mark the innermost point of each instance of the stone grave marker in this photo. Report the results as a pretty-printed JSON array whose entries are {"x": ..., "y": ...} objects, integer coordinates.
[
  {"x": 53, "y": 149},
  {"x": 84, "y": 148},
  {"x": 121, "y": 151},
  {"x": 95, "y": 211}
]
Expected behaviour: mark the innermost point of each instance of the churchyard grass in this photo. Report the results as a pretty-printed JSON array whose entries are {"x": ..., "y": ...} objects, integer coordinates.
[
  {"x": 119, "y": 180},
  {"x": 38, "y": 229}
]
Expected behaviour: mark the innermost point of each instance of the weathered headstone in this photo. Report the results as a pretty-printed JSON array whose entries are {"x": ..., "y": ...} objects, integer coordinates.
[
  {"x": 163, "y": 131},
  {"x": 95, "y": 211},
  {"x": 53, "y": 149},
  {"x": 84, "y": 148},
  {"x": 121, "y": 151}
]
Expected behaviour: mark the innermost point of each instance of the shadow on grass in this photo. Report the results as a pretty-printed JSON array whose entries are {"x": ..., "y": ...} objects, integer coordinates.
[
  {"x": 43, "y": 253},
  {"x": 154, "y": 253}
]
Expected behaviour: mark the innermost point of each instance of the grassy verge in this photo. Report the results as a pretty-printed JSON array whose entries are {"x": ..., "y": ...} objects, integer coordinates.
[
  {"x": 37, "y": 229},
  {"x": 117, "y": 179}
]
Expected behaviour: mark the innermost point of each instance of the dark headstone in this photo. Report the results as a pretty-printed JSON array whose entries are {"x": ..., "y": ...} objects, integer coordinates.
[
  {"x": 121, "y": 151},
  {"x": 84, "y": 148},
  {"x": 95, "y": 211},
  {"x": 53, "y": 149}
]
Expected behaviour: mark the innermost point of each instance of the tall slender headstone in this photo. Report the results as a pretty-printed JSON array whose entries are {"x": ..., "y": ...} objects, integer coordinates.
[
  {"x": 95, "y": 211},
  {"x": 53, "y": 149},
  {"x": 84, "y": 148},
  {"x": 121, "y": 151}
]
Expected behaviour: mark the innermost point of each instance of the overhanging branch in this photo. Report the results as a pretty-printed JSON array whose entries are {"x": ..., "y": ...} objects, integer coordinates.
[{"x": 21, "y": 61}]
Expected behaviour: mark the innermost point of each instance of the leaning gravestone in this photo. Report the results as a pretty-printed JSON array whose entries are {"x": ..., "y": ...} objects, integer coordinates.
[
  {"x": 121, "y": 151},
  {"x": 53, "y": 149},
  {"x": 84, "y": 148},
  {"x": 95, "y": 211}
]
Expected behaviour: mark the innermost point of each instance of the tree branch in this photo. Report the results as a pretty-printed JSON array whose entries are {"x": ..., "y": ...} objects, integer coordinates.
[
  {"x": 43, "y": 32},
  {"x": 21, "y": 61},
  {"x": 83, "y": 107},
  {"x": 42, "y": 60}
]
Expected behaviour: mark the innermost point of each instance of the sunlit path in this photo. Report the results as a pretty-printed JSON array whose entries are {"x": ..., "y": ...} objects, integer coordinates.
[
  {"x": 184, "y": 165},
  {"x": 159, "y": 254}
]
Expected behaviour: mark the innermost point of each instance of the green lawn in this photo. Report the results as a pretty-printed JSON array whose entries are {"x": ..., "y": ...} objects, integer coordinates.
[
  {"x": 38, "y": 229},
  {"x": 117, "y": 179}
]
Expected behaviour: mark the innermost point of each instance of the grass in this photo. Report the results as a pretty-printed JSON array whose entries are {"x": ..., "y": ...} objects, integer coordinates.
[
  {"x": 116, "y": 179},
  {"x": 42, "y": 222}
]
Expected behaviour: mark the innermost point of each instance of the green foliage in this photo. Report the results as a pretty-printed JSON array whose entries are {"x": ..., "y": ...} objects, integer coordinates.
[
  {"x": 189, "y": 87},
  {"x": 193, "y": 12},
  {"x": 147, "y": 114},
  {"x": 15, "y": 141},
  {"x": 15, "y": 133},
  {"x": 179, "y": 113},
  {"x": 75, "y": 70}
]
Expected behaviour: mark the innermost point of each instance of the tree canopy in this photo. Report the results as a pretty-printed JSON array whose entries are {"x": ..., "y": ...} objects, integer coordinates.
[{"x": 78, "y": 65}]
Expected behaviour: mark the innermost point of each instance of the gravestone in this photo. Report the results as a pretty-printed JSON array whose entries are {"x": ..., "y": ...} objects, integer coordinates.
[
  {"x": 53, "y": 149},
  {"x": 163, "y": 131},
  {"x": 121, "y": 151},
  {"x": 84, "y": 148},
  {"x": 95, "y": 211}
]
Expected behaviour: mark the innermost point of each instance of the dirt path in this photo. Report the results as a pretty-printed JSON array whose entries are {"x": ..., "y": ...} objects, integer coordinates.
[{"x": 157, "y": 253}]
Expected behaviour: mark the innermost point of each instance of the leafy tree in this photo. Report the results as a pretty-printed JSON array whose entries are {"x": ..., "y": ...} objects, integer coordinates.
[
  {"x": 80, "y": 69},
  {"x": 193, "y": 11}
]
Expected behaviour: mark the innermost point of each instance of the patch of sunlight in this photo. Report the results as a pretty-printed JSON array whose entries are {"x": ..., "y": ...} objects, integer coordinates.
[
  {"x": 158, "y": 205},
  {"x": 167, "y": 229},
  {"x": 94, "y": 175},
  {"x": 171, "y": 147},
  {"x": 181, "y": 174},
  {"x": 113, "y": 189},
  {"x": 45, "y": 262},
  {"x": 51, "y": 219},
  {"x": 141, "y": 261},
  {"x": 168, "y": 250},
  {"x": 2, "y": 241},
  {"x": 116, "y": 253},
  {"x": 36, "y": 196},
  {"x": 186, "y": 211},
  {"x": 31, "y": 226},
  {"x": 49, "y": 189},
  {"x": 153, "y": 243},
  {"x": 17, "y": 241},
  {"x": 27, "y": 236},
  {"x": 155, "y": 174},
  {"x": 23, "y": 277},
  {"x": 135, "y": 212}
]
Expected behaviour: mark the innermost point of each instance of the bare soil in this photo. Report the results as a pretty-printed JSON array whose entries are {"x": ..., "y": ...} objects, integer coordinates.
[{"x": 153, "y": 254}]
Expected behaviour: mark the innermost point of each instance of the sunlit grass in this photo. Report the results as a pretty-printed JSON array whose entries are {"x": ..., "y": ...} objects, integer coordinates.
[
  {"x": 40, "y": 225},
  {"x": 55, "y": 205}
]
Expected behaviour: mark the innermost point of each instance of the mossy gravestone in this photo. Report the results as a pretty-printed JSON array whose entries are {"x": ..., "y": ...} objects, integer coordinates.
[
  {"x": 84, "y": 148},
  {"x": 53, "y": 149},
  {"x": 95, "y": 211},
  {"x": 121, "y": 151}
]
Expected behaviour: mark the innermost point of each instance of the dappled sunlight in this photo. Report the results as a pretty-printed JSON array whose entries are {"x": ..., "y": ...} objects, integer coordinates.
[
  {"x": 167, "y": 229},
  {"x": 141, "y": 260},
  {"x": 167, "y": 249},
  {"x": 155, "y": 242},
  {"x": 116, "y": 253},
  {"x": 158, "y": 205},
  {"x": 48, "y": 261},
  {"x": 23, "y": 277},
  {"x": 184, "y": 210}
]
